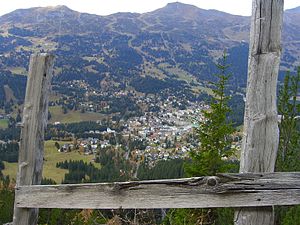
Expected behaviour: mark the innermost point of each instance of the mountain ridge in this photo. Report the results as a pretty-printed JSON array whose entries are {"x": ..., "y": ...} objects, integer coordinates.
[
  {"x": 294, "y": 10},
  {"x": 178, "y": 44},
  {"x": 169, "y": 6}
]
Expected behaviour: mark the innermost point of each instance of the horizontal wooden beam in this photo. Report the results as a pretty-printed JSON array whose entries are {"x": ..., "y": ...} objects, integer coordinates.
[{"x": 224, "y": 190}]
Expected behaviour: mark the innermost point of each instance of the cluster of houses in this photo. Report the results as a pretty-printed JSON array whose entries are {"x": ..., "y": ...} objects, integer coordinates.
[
  {"x": 163, "y": 129},
  {"x": 4, "y": 116},
  {"x": 87, "y": 146},
  {"x": 171, "y": 123}
]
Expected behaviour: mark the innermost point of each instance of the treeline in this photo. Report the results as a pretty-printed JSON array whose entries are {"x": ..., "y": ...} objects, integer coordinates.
[
  {"x": 65, "y": 131},
  {"x": 116, "y": 104},
  {"x": 79, "y": 171},
  {"x": 80, "y": 130},
  {"x": 288, "y": 156},
  {"x": 113, "y": 167},
  {"x": 169, "y": 169},
  {"x": 80, "y": 127},
  {"x": 12, "y": 133},
  {"x": 2, "y": 167},
  {"x": 140, "y": 144},
  {"x": 6, "y": 199},
  {"x": 153, "y": 85},
  {"x": 15, "y": 82},
  {"x": 237, "y": 105},
  {"x": 9, "y": 152}
]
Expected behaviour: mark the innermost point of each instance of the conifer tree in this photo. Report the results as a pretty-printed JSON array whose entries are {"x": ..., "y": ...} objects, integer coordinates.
[
  {"x": 214, "y": 131},
  {"x": 288, "y": 157},
  {"x": 213, "y": 155},
  {"x": 289, "y": 141}
]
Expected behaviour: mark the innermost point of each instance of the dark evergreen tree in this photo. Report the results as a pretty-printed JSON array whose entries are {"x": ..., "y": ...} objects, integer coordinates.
[
  {"x": 288, "y": 157},
  {"x": 6, "y": 200},
  {"x": 214, "y": 132},
  {"x": 169, "y": 169},
  {"x": 289, "y": 110},
  {"x": 213, "y": 155},
  {"x": 18, "y": 118},
  {"x": 57, "y": 145}
]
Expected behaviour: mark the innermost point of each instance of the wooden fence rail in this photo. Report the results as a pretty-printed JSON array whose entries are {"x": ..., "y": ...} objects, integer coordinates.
[{"x": 224, "y": 190}]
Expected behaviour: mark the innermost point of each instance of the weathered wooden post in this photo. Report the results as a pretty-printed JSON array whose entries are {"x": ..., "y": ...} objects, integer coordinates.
[
  {"x": 261, "y": 132},
  {"x": 35, "y": 117}
]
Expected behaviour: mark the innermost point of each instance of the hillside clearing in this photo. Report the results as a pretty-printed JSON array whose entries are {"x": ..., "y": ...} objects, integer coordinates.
[
  {"x": 72, "y": 116},
  {"x": 52, "y": 156}
]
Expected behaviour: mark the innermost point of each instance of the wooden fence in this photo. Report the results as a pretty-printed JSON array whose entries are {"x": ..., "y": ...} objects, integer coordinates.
[
  {"x": 244, "y": 190},
  {"x": 225, "y": 190}
]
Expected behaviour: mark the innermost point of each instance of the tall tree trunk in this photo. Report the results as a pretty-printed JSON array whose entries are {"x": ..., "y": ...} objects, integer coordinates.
[{"x": 261, "y": 134}]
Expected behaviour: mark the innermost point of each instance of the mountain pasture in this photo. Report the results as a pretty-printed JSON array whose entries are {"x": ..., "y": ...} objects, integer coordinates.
[{"x": 52, "y": 156}]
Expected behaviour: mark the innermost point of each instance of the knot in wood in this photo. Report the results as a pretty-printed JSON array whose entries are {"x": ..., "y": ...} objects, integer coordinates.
[
  {"x": 116, "y": 187},
  {"x": 23, "y": 164},
  {"x": 212, "y": 181}
]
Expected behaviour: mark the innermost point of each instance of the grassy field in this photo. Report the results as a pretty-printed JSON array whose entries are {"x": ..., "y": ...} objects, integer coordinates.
[
  {"x": 72, "y": 116},
  {"x": 52, "y": 156},
  {"x": 3, "y": 123}
]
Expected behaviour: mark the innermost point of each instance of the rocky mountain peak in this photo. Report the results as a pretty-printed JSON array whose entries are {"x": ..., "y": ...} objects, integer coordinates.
[
  {"x": 61, "y": 7},
  {"x": 180, "y": 9}
]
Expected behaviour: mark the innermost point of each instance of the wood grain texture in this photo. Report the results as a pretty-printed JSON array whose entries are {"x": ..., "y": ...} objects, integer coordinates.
[
  {"x": 261, "y": 133},
  {"x": 230, "y": 190},
  {"x": 35, "y": 116}
]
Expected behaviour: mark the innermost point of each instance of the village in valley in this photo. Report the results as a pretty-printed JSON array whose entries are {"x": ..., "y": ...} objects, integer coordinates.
[
  {"x": 160, "y": 128},
  {"x": 87, "y": 123},
  {"x": 152, "y": 136}
]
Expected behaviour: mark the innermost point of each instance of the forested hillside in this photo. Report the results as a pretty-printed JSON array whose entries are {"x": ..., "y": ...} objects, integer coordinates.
[{"x": 176, "y": 46}]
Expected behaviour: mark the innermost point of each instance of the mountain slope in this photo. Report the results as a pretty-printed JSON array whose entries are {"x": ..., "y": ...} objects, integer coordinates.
[
  {"x": 294, "y": 10},
  {"x": 175, "y": 46}
]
